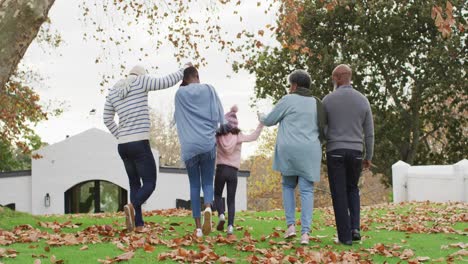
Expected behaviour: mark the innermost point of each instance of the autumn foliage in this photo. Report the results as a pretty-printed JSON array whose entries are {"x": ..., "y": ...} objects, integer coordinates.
[{"x": 257, "y": 239}]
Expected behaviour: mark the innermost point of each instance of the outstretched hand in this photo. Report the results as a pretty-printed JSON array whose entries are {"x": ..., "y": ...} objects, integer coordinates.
[{"x": 260, "y": 116}]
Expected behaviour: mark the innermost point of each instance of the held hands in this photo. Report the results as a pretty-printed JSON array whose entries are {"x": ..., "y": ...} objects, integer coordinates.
[
  {"x": 366, "y": 164},
  {"x": 260, "y": 116}
]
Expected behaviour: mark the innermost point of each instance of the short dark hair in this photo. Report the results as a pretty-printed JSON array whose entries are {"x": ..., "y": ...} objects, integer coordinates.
[
  {"x": 226, "y": 129},
  {"x": 301, "y": 78},
  {"x": 189, "y": 73}
]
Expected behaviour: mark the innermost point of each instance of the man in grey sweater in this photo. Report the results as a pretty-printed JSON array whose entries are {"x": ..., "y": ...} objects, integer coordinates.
[{"x": 350, "y": 126}]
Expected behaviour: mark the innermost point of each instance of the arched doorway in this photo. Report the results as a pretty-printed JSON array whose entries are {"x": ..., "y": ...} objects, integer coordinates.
[{"x": 95, "y": 197}]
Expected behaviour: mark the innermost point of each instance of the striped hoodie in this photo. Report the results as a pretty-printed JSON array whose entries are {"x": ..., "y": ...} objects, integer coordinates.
[{"x": 129, "y": 99}]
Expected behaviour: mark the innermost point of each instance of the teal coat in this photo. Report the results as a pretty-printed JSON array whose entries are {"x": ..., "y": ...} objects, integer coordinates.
[{"x": 298, "y": 151}]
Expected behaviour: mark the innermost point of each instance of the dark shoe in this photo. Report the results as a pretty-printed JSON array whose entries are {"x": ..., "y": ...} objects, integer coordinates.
[
  {"x": 221, "y": 222},
  {"x": 347, "y": 243},
  {"x": 356, "y": 235}
]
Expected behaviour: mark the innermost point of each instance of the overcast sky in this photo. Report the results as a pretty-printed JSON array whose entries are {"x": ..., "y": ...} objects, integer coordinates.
[{"x": 71, "y": 75}]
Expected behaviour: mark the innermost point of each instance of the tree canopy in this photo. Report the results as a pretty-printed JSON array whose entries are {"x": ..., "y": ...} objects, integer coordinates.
[{"x": 405, "y": 60}]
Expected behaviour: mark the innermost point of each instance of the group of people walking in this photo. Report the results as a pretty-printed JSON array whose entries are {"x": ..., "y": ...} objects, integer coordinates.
[{"x": 211, "y": 144}]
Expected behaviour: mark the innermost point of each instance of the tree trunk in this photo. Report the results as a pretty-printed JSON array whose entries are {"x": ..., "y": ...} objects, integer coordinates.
[{"x": 20, "y": 21}]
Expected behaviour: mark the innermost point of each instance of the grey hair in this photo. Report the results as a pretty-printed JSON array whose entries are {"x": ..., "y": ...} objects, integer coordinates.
[{"x": 301, "y": 78}]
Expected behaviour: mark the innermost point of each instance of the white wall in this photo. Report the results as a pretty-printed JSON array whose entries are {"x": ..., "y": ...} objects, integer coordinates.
[
  {"x": 437, "y": 183},
  {"x": 91, "y": 155},
  {"x": 16, "y": 190}
]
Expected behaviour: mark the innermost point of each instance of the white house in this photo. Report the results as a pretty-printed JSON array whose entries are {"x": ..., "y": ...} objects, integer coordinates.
[{"x": 84, "y": 173}]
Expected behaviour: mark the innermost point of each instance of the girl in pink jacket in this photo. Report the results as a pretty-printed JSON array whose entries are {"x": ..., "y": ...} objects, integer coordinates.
[{"x": 228, "y": 155}]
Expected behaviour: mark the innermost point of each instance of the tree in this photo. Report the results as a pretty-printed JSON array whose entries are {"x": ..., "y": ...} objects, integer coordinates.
[
  {"x": 20, "y": 22},
  {"x": 163, "y": 136},
  {"x": 414, "y": 77},
  {"x": 13, "y": 158}
]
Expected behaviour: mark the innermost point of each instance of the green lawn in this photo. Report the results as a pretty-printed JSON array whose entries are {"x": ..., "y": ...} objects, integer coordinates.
[{"x": 391, "y": 233}]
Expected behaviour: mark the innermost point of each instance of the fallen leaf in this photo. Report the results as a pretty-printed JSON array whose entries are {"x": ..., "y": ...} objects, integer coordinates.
[
  {"x": 422, "y": 259},
  {"x": 84, "y": 248},
  {"x": 149, "y": 248},
  {"x": 225, "y": 259},
  {"x": 459, "y": 244},
  {"x": 126, "y": 256},
  {"x": 462, "y": 252}
]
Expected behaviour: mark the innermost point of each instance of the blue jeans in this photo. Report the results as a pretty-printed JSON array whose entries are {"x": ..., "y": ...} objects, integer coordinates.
[
  {"x": 344, "y": 170},
  {"x": 141, "y": 167},
  {"x": 200, "y": 168},
  {"x": 306, "y": 191}
]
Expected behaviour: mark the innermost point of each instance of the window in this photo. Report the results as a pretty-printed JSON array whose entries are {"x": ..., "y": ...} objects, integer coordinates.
[{"x": 95, "y": 197}]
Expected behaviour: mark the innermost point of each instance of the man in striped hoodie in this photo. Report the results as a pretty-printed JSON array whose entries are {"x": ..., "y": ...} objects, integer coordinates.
[{"x": 129, "y": 98}]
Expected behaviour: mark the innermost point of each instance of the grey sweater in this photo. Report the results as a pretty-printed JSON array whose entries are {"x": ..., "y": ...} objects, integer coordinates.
[{"x": 350, "y": 121}]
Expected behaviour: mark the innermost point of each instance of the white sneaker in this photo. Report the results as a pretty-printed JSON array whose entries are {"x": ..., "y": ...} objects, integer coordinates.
[
  {"x": 206, "y": 221},
  {"x": 305, "y": 239},
  {"x": 199, "y": 232},
  {"x": 230, "y": 230},
  {"x": 290, "y": 232},
  {"x": 221, "y": 222}
]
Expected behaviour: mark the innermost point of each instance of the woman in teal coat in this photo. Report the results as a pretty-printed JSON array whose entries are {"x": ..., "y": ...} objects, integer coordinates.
[{"x": 298, "y": 151}]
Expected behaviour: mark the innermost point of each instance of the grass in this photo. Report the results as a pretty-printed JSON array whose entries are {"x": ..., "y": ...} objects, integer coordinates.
[{"x": 376, "y": 221}]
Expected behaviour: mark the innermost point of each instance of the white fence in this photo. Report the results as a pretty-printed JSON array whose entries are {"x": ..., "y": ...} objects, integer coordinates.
[{"x": 437, "y": 183}]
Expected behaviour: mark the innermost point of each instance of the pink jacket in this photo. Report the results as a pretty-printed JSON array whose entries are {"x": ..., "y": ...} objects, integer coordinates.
[{"x": 229, "y": 147}]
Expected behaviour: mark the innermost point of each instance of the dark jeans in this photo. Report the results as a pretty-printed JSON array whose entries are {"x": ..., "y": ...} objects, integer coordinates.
[
  {"x": 200, "y": 171},
  {"x": 141, "y": 167},
  {"x": 226, "y": 175},
  {"x": 344, "y": 170}
]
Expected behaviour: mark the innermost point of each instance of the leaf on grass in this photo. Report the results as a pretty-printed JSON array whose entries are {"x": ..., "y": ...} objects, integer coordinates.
[
  {"x": 149, "y": 248},
  {"x": 407, "y": 253},
  {"x": 37, "y": 261},
  {"x": 84, "y": 248},
  {"x": 126, "y": 256},
  {"x": 225, "y": 259},
  {"x": 459, "y": 244},
  {"x": 54, "y": 260},
  {"x": 423, "y": 259},
  {"x": 462, "y": 252}
]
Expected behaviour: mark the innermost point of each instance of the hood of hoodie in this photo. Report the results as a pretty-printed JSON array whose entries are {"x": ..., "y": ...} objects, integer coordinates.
[
  {"x": 123, "y": 87},
  {"x": 227, "y": 143}
]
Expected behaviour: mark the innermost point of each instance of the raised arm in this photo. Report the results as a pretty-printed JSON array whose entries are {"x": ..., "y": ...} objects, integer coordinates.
[
  {"x": 276, "y": 115},
  {"x": 220, "y": 110},
  {"x": 159, "y": 83},
  {"x": 109, "y": 113},
  {"x": 251, "y": 137}
]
